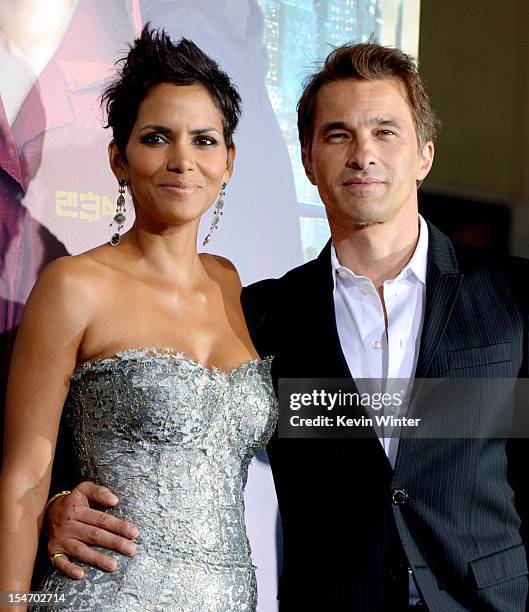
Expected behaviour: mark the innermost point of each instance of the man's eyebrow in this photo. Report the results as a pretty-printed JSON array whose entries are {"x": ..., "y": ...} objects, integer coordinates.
[
  {"x": 333, "y": 125},
  {"x": 385, "y": 121},
  {"x": 342, "y": 125}
]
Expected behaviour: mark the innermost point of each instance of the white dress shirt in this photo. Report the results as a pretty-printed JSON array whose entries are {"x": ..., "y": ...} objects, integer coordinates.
[{"x": 371, "y": 351}]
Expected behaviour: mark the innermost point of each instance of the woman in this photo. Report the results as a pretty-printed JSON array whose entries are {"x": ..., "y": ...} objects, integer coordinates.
[{"x": 144, "y": 343}]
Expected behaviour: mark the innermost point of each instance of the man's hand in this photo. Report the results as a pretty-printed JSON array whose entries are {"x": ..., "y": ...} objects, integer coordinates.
[{"x": 72, "y": 523}]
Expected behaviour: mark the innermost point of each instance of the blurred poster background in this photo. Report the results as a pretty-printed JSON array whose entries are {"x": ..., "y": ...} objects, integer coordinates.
[
  {"x": 297, "y": 35},
  {"x": 57, "y": 193}
]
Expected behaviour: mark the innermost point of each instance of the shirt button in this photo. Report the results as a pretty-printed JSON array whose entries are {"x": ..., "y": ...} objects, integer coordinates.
[
  {"x": 342, "y": 273},
  {"x": 365, "y": 290},
  {"x": 399, "y": 497},
  {"x": 376, "y": 344}
]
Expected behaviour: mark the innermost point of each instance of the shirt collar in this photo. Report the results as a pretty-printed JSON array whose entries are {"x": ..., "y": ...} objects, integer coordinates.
[{"x": 416, "y": 265}]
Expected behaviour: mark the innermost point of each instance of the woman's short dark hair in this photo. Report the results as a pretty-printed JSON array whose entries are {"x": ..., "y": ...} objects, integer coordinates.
[{"x": 154, "y": 59}]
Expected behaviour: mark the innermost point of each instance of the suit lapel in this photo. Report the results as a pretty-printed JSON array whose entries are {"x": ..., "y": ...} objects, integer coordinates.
[
  {"x": 443, "y": 280},
  {"x": 334, "y": 363},
  {"x": 324, "y": 317}
]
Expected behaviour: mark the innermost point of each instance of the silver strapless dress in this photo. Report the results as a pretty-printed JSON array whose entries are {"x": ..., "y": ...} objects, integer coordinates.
[{"x": 173, "y": 440}]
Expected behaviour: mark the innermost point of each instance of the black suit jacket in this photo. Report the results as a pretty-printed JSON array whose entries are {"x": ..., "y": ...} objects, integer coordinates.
[{"x": 463, "y": 527}]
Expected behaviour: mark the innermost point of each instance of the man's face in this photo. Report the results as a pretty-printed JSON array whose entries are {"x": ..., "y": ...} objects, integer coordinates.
[{"x": 364, "y": 156}]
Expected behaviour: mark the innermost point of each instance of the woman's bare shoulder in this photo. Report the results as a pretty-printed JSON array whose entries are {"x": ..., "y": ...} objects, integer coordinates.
[
  {"x": 74, "y": 275},
  {"x": 220, "y": 268}
]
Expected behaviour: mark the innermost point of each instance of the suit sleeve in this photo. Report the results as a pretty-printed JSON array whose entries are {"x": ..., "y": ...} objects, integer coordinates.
[
  {"x": 257, "y": 304},
  {"x": 518, "y": 448}
]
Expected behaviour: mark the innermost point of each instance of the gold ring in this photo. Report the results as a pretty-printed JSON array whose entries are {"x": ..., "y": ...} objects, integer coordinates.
[{"x": 55, "y": 556}]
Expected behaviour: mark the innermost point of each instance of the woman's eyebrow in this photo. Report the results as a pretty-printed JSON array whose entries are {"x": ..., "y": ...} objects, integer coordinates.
[
  {"x": 163, "y": 129},
  {"x": 204, "y": 130},
  {"x": 157, "y": 128}
]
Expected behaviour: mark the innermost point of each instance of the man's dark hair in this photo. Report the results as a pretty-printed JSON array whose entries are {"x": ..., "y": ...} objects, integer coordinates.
[
  {"x": 154, "y": 59},
  {"x": 367, "y": 62}
]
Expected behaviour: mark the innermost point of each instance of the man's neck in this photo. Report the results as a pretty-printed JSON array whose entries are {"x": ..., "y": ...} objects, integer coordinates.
[{"x": 379, "y": 251}]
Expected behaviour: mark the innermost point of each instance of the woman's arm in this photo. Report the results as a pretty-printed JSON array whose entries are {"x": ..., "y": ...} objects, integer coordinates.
[{"x": 54, "y": 322}]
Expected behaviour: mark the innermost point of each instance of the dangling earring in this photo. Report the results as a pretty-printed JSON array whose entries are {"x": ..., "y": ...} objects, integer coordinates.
[
  {"x": 217, "y": 213},
  {"x": 119, "y": 218}
]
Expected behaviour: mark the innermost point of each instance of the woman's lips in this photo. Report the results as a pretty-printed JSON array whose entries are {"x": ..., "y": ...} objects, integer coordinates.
[{"x": 180, "y": 189}]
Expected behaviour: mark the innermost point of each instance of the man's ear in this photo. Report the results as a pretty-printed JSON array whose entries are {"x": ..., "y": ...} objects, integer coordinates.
[
  {"x": 426, "y": 161},
  {"x": 307, "y": 164},
  {"x": 117, "y": 160},
  {"x": 229, "y": 163}
]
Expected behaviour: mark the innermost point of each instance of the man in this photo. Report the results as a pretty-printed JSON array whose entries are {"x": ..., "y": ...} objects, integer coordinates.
[{"x": 379, "y": 524}]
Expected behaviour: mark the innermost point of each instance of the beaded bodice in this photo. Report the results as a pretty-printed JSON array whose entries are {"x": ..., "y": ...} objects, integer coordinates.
[{"x": 173, "y": 440}]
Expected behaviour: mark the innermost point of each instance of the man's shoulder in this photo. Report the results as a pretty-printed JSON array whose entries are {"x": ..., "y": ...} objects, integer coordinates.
[
  {"x": 494, "y": 275},
  {"x": 474, "y": 259},
  {"x": 268, "y": 289}
]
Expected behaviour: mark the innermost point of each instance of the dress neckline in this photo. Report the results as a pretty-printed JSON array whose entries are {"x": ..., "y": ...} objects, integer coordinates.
[{"x": 165, "y": 352}]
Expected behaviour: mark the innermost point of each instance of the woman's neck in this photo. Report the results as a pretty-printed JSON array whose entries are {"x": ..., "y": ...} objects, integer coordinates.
[{"x": 171, "y": 255}]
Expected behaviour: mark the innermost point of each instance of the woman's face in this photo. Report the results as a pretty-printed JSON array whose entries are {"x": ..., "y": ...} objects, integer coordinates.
[{"x": 175, "y": 158}]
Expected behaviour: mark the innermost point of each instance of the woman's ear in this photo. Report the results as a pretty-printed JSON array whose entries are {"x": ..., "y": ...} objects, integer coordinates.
[
  {"x": 117, "y": 160},
  {"x": 229, "y": 163}
]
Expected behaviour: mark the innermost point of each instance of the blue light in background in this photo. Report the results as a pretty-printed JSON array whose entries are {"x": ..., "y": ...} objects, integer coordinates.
[{"x": 297, "y": 34}]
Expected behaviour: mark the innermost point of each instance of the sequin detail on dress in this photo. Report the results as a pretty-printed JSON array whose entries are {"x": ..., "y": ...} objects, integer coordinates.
[{"x": 173, "y": 439}]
